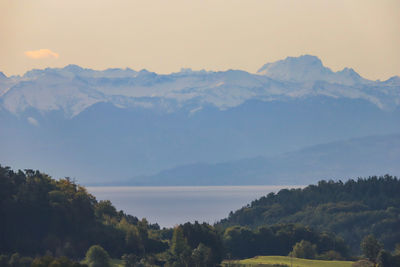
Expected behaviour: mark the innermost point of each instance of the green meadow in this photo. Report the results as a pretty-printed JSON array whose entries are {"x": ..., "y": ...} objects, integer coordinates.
[
  {"x": 117, "y": 263},
  {"x": 286, "y": 260}
]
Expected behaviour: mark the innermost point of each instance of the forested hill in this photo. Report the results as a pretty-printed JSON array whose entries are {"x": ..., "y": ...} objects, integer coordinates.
[
  {"x": 40, "y": 214},
  {"x": 58, "y": 220},
  {"x": 352, "y": 209}
]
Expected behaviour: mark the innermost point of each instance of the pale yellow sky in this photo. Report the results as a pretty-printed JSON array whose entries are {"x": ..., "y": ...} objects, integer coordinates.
[{"x": 165, "y": 35}]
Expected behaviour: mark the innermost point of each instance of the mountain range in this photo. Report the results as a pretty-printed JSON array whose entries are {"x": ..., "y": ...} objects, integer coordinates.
[
  {"x": 358, "y": 157},
  {"x": 119, "y": 124}
]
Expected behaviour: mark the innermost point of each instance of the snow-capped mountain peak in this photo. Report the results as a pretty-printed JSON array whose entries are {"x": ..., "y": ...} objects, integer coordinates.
[
  {"x": 308, "y": 68},
  {"x": 303, "y": 68},
  {"x": 72, "y": 89}
]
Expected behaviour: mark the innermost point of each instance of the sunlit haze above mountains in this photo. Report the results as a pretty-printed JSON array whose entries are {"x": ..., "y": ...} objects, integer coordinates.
[{"x": 164, "y": 36}]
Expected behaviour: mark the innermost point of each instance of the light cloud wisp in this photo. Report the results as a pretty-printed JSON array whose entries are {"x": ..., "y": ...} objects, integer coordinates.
[{"x": 41, "y": 53}]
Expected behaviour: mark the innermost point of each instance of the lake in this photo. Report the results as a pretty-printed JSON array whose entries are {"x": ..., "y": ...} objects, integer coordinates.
[{"x": 172, "y": 205}]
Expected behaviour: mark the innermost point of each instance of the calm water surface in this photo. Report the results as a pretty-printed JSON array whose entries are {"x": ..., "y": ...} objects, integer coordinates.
[{"x": 169, "y": 206}]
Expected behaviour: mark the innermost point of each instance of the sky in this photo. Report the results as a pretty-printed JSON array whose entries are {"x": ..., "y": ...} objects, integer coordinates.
[{"x": 166, "y": 35}]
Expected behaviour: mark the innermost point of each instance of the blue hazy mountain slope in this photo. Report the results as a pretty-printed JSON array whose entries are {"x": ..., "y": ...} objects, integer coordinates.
[
  {"x": 374, "y": 155},
  {"x": 112, "y": 125},
  {"x": 105, "y": 143}
]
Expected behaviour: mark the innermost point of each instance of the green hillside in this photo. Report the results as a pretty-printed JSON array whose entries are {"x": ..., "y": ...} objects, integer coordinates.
[
  {"x": 352, "y": 209},
  {"x": 47, "y": 222},
  {"x": 285, "y": 260}
]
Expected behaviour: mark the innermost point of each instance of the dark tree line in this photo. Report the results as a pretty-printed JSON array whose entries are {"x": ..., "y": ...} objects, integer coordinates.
[
  {"x": 47, "y": 222},
  {"x": 352, "y": 209},
  {"x": 243, "y": 242},
  {"x": 40, "y": 214}
]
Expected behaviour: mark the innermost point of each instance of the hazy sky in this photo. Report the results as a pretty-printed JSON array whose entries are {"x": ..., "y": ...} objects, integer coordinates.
[{"x": 165, "y": 35}]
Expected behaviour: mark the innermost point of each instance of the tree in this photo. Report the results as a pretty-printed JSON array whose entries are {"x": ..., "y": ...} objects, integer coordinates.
[
  {"x": 130, "y": 260},
  {"x": 178, "y": 242},
  {"x": 330, "y": 255},
  {"x": 384, "y": 259},
  {"x": 397, "y": 250},
  {"x": 370, "y": 247},
  {"x": 180, "y": 250},
  {"x": 304, "y": 249},
  {"x": 239, "y": 242},
  {"x": 96, "y": 256},
  {"x": 202, "y": 256},
  {"x": 17, "y": 261},
  {"x": 363, "y": 263},
  {"x": 3, "y": 260},
  {"x": 105, "y": 207},
  {"x": 14, "y": 260}
]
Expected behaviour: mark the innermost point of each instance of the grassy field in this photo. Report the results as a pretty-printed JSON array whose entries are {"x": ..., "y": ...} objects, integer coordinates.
[
  {"x": 117, "y": 263},
  {"x": 295, "y": 262},
  {"x": 114, "y": 262}
]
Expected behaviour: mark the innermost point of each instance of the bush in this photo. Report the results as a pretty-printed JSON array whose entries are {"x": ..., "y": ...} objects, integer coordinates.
[
  {"x": 304, "y": 249},
  {"x": 3, "y": 260},
  {"x": 330, "y": 255},
  {"x": 363, "y": 263},
  {"x": 17, "y": 261},
  {"x": 370, "y": 247},
  {"x": 96, "y": 256}
]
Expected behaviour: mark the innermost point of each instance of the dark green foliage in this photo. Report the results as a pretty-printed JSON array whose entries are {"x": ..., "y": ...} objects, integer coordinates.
[
  {"x": 3, "y": 260},
  {"x": 178, "y": 243},
  {"x": 240, "y": 242},
  {"x": 96, "y": 256},
  {"x": 304, "y": 250},
  {"x": 130, "y": 260},
  {"x": 204, "y": 234},
  {"x": 202, "y": 256},
  {"x": 17, "y": 260},
  {"x": 243, "y": 242},
  {"x": 195, "y": 245},
  {"x": 40, "y": 214},
  {"x": 363, "y": 263},
  {"x": 330, "y": 255},
  {"x": 43, "y": 216},
  {"x": 353, "y": 209},
  {"x": 105, "y": 208},
  {"x": 370, "y": 247},
  {"x": 385, "y": 259},
  {"x": 49, "y": 261}
]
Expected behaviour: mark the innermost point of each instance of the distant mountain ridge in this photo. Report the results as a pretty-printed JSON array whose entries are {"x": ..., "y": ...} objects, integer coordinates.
[
  {"x": 117, "y": 124},
  {"x": 73, "y": 89},
  {"x": 374, "y": 155}
]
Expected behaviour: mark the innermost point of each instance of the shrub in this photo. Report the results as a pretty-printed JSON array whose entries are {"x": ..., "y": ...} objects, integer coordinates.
[
  {"x": 96, "y": 256},
  {"x": 304, "y": 249}
]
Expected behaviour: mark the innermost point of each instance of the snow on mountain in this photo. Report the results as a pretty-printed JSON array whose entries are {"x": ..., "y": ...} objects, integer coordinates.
[
  {"x": 51, "y": 91},
  {"x": 308, "y": 68},
  {"x": 72, "y": 89}
]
